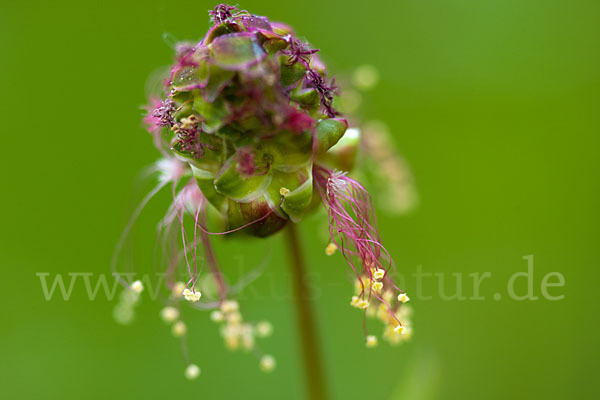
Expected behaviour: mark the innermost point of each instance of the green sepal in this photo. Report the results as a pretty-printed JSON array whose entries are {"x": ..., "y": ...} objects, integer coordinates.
[
  {"x": 220, "y": 30},
  {"x": 329, "y": 132},
  {"x": 306, "y": 98},
  {"x": 288, "y": 180},
  {"x": 342, "y": 155},
  {"x": 236, "y": 51},
  {"x": 189, "y": 77},
  {"x": 213, "y": 113},
  {"x": 298, "y": 201},
  {"x": 232, "y": 184},
  {"x": 271, "y": 41},
  {"x": 218, "y": 78},
  {"x": 265, "y": 222},
  {"x": 287, "y": 151},
  {"x": 290, "y": 75},
  {"x": 204, "y": 180}
]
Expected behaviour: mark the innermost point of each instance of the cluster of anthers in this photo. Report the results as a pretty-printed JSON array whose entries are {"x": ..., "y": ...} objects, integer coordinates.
[
  {"x": 351, "y": 224},
  {"x": 236, "y": 333}
]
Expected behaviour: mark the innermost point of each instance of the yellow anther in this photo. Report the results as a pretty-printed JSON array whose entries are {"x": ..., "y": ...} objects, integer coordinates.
[
  {"x": 403, "y": 298},
  {"x": 179, "y": 329},
  {"x": 169, "y": 314},
  {"x": 355, "y": 301},
  {"x": 229, "y": 306},
  {"x": 189, "y": 121},
  {"x": 264, "y": 329},
  {"x": 267, "y": 363},
  {"x": 388, "y": 295},
  {"x": 217, "y": 316},
  {"x": 363, "y": 304},
  {"x": 330, "y": 249},
  {"x": 248, "y": 342},
  {"x": 371, "y": 341},
  {"x": 234, "y": 317},
  {"x": 232, "y": 342},
  {"x": 379, "y": 274},
  {"x": 247, "y": 336},
  {"x": 371, "y": 312},
  {"x": 192, "y": 372},
  {"x": 284, "y": 191},
  {"x": 377, "y": 286},
  {"x": 358, "y": 287},
  {"x": 177, "y": 289},
  {"x": 192, "y": 296},
  {"x": 232, "y": 336},
  {"x": 137, "y": 286},
  {"x": 400, "y": 329},
  {"x": 391, "y": 336}
]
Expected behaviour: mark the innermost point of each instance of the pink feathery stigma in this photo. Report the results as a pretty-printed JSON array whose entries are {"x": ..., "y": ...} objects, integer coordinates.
[
  {"x": 298, "y": 51},
  {"x": 152, "y": 122},
  {"x": 352, "y": 226},
  {"x": 325, "y": 90},
  {"x": 301, "y": 52},
  {"x": 221, "y": 13},
  {"x": 163, "y": 112}
]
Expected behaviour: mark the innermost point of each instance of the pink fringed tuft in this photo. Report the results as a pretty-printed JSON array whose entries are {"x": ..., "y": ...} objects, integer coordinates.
[{"x": 353, "y": 228}]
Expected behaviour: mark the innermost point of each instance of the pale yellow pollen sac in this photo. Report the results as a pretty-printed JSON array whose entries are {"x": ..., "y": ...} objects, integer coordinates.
[
  {"x": 179, "y": 329},
  {"x": 229, "y": 306},
  {"x": 363, "y": 304},
  {"x": 247, "y": 337},
  {"x": 189, "y": 122},
  {"x": 371, "y": 312},
  {"x": 355, "y": 302},
  {"x": 232, "y": 337},
  {"x": 358, "y": 287},
  {"x": 192, "y": 372},
  {"x": 403, "y": 298},
  {"x": 388, "y": 295},
  {"x": 383, "y": 313},
  {"x": 175, "y": 128},
  {"x": 137, "y": 286},
  {"x": 284, "y": 191},
  {"x": 400, "y": 330},
  {"x": 371, "y": 341},
  {"x": 192, "y": 296},
  {"x": 264, "y": 329},
  {"x": 232, "y": 342},
  {"x": 177, "y": 289},
  {"x": 234, "y": 317},
  {"x": 391, "y": 336},
  {"x": 379, "y": 274},
  {"x": 377, "y": 286},
  {"x": 403, "y": 312},
  {"x": 169, "y": 314},
  {"x": 267, "y": 363},
  {"x": 217, "y": 316},
  {"x": 330, "y": 249}
]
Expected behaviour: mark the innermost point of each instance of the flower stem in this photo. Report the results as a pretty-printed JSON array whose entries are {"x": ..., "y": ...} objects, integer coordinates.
[{"x": 313, "y": 365}]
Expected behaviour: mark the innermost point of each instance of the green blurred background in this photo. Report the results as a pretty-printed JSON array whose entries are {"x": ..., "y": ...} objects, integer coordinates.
[{"x": 493, "y": 103}]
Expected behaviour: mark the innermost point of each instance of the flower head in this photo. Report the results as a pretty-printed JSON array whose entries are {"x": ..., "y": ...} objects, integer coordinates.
[
  {"x": 249, "y": 131},
  {"x": 249, "y": 108}
]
